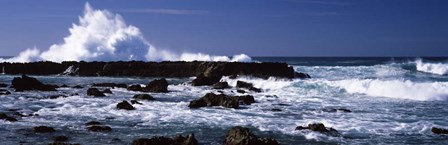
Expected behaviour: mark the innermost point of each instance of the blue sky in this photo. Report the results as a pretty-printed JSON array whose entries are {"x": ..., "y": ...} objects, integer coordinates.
[{"x": 253, "y": 27}]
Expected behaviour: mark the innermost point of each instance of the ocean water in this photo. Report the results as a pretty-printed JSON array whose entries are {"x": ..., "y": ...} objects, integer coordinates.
[{"x": 393, "y": 101}]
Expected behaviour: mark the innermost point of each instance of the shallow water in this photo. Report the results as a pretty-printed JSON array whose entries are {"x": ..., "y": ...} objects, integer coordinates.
[{"x": 392, "y": 102}]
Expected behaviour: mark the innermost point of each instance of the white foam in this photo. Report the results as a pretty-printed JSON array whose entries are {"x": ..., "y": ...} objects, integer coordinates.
[
  {"x": 434, "y": 68},
  {"x": 104, "y": 36},
  {"x": 395, "y": 88}
]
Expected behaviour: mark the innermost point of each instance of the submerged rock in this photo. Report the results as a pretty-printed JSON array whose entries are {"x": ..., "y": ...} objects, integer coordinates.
[
  {"x": 99, "y": 128},
  {"x": 95, "y": 92},
  {"x": 161, "y": 140},
  {"x": 43, "y": 129},
  {"x": 4, "y": 92},
  {"x": 26, "y": 83},
  {"x": 337, "y": 110},
  {"x": 301, "y": 75},
  {"x": 111, "y": 85},
  {"x": 143, "y": 97},
  {"x": 211, "y": 99},
  {"x": 3, "y": 85},
  {"x": 77, "y": 87},
  {"x": 60, "y": 138},
  {"x": 56, "y": 96},
  {"x": 5, "y": 117},
  {"x": 125, "y": 105},
  {"x": 439, "y": 130},
  {"x": 318, "y": 127},
  {"x": 202, "y": 80},
  {"x": 249, "y": 86},
  {"x": 159, "y": 85},
  {"x": 135, "y": 87},
  {"x": 107, "y": 91},
  {"x": 243, "y": 136},
  {"x": 92, "y": 123},
  {"x": 221, "y": 85}
]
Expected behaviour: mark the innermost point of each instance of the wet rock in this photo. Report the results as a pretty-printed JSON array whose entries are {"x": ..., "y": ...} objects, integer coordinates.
[
  {"x": 301, "y": 75},
  {"x": 318, "y": 127},
  {"x": 135, "y": 87},
  {"x": 3, "y": 85},
  {"x": 107, "y": 91},
  {"x": 43, "y": 129},
  {"x": 64, "y": 86},
  {"x": 161, "y": 140},
  {"x": 125, "y": 105},
  {"x": 4, "y": 92},
  {"x": 77, "y": 87},
  {"x": 439, "y": 130},
  {"x": 26, "y": 83},
  {"x": 336, "y": 110},
  {"x": 246, "y": 100},
  {"x": 211, "y": 99},
  {"x": 143, "y": 97},
  {"x": 60, "y": 138},
  {"x": 56, "y": 96},
  {"x": 249, "y": 86},
  {"x": 5, "y": 117},
  {"x": 241, "y": 91},
  {"x": 276, "y": 110},
  {"x": 221, "y": 85},
  {"x": 95, "y": 92},
  {"x": 243, "y": 136},
  {"x": 202, "y": 80},
  {"x": 111, "y": 85},
  {"x": 135, "y": 102},
  {"x": 99, "y": 128},
  {"x": 159, "y": 85},
  {"x": 92, "y": 123}
]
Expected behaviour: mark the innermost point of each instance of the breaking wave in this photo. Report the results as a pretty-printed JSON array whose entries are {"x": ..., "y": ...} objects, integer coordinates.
[
  {"x": 103, "y": 36},
  {"x": 434, "y": 68}
]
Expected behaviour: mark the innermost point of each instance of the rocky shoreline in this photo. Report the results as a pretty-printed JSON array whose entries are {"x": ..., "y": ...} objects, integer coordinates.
[{"x": 153, "y": 69}]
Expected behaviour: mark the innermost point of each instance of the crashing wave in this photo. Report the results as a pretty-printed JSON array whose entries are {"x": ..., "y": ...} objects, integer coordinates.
[
  {"x": 423, "y": 91},
  {"x": 434, "y": 68},
  {"x": 103, "y": 36}
]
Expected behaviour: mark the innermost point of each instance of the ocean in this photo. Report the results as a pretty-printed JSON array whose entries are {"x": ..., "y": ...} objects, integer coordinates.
[{"x": 392, "y": 101}]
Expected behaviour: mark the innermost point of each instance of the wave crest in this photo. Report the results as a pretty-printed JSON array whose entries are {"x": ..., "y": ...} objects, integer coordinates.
[{"x": 434, "y": 68}]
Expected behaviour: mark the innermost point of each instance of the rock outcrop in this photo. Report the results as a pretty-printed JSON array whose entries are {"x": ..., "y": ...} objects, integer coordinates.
[
  {"x": 26, "y": 83},
  {"x": 95, "y": 92},
  {"x": 319, "y": 127},
  {"x": 158, "y": 86},
  {"x": 211, "y": 99},
  {"x": 439, "y": 130},
  {"x": 243, "y": 136},
  {"x": 125, "y": 106},
  {"x": 221, "y": 85},
  {"x": 249, "y": 86},
  {"x": 161, "y": 140},
  {"x": 202, "y": 80}
]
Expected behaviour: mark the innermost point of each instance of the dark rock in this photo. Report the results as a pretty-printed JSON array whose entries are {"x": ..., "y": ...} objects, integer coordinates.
[
  {"x": 4, "y": 92},
  {"x": 92, "y": 123},
  {"x": 64, "y": 86},
  {"x": 77, "y": 87},
  {"x": 98, "y": 128},
  {"x": 159, "y": 85},
  {"x": 61, "y": 138},
  {"x": 241, "y": 91},
  {"x": 246, "y": 100},
  {"x": 26, "y": 83},
  {"x": 221, "y": 85},
  {"x": 111, "y": 85},
  {"x": 3, "y": 116},
  {"x": 63, "y": 143},
  {"x": 10, "y": 119},
  {"x": 161, "y": 140},
  {"x": 336, "y": 110},
  {"x": 3, "y": 85},
  {"x": 276, "y": 110},
  {"x": 249, "y": 86},
  {"x": 301, "y": 75},
  {"x": 107, "y": 91},
  {"x": 95, "y": 92},
  {"x": 18, "y": 114},
  {"x": 135, "y": 87},
  {"x": 56, "y": 96},
  {"x": 135, "y": 102},
  {"x": 144, "y": 97},
  {"x": 43, "y": 129},
  {"x": 318, "y": 127},
  {"x": 211, "y": 99},
  {"x": 439, "y": 130},
  {"x": 243, "y": 136},
  {"x": 202, "y": 80},
  {"x": 125, "y": 105}
]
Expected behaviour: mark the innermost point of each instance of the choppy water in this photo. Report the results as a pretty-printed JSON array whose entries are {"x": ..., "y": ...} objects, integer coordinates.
[{"x": 394, "y": 101}]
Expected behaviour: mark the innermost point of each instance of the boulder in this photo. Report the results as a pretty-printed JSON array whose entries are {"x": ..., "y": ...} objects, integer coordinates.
[
  {"x": 107, "y": 91},
  {"x": 125, "y": 105},
  {"x": 202, "y": 80},
  {"x": 159, "y": 85},
  {"x": 135, "y": 87},
  {"x": 249, "y": 86},
  {"x": 243, "y": 136},
  {"x": 439, "y": 130},
  {"x": 246, "y": 100},
  {"x": 221, "y": 85},
  {"x": 211, "y": 99},
  {"x": 301, "y": 75},
  {"x": 111, "y": 85},
  {"x": 43, "y": 129},
  {"x": 143, "y": 97},
  {"x": 95, "y": 92},
  {"x": 26, "y": 83},
  {"x": 319, "y": 127},
  {"x": 161, "y": 140},
  {"x": 99, "y": 128}
]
